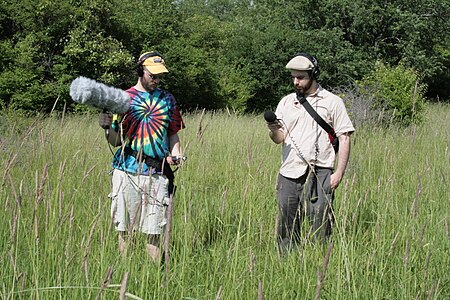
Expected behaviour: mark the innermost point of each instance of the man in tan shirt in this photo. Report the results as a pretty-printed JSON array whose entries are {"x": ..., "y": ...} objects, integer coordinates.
[{"x": 308, "y": 177}]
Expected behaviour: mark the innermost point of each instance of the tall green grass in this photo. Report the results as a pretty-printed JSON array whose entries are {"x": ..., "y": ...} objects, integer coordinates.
[{"x": 391, "y": 238}]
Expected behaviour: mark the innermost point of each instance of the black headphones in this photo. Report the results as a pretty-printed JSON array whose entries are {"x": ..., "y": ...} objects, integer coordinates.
[
  {"x": 139, "y": 67},
  {"x": 315, "y": 72}
]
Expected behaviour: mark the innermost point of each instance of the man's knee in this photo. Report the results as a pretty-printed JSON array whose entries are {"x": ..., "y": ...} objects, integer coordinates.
[{"x": 153, "y": 239}]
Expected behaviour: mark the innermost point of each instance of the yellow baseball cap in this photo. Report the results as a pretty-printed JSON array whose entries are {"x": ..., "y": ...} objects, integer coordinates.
[{"x": 154, "y": 63}]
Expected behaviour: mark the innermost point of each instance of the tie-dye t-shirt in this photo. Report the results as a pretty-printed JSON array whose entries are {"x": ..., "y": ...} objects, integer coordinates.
[{"x": 147, "y": 125}]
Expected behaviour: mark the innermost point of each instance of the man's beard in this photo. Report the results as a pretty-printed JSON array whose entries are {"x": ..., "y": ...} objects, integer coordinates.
[
  {"x": 303, "y": 90},
  {"x": 148, "y": 85}
]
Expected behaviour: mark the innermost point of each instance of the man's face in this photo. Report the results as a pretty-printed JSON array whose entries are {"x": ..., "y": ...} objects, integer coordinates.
[
  {"x": 150, "y": 81},
  {"x": 302, "y": 81}
]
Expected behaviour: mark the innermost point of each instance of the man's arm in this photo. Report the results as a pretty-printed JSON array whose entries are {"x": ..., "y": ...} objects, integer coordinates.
[
  {"x": 175, "y": 149},
  {"x": 113, "y": 137},
  {"x": 343, "y": 156},
  {"x": 276, "y": 132}
]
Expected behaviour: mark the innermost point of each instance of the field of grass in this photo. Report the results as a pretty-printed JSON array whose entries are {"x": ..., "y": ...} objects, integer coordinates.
[{"x": 391, "y": 239}]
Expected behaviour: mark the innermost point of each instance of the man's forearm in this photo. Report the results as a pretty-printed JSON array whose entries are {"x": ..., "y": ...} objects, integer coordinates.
[
  {"x": 114, "y": 137},
  {"x": 343, "y": 154},
  {"x": 174, "y": 144}
]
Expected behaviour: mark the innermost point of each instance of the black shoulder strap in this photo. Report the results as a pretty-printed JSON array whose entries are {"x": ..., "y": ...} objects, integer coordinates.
[{"x": 315, "y": 115}]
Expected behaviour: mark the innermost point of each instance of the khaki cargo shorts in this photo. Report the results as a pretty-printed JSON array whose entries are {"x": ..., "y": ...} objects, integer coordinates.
[{"x": 139, "y": 202}]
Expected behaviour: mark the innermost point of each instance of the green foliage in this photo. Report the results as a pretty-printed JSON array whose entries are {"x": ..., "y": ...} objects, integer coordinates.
[
  {"x": 398, "y": 91},
  {"x": 54, "y": 42},
  {"x": 143, "y": 26},
  {"x": 96, "y": 56},
  {"x": 193, "y": 62},
  {"x": 202, "y": 74},
  {"x": 236, "y": 85},
  {"x": 440, "y": 83},
  {"x": 221, "y": 53}
]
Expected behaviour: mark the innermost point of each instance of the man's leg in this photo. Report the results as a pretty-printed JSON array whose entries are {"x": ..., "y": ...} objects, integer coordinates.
[
  {"x": 154, "y": 201},
  {"x": 122, "y": 242},
  {"x": 153, "y": 248},
  {"x": 119, "y": 212},
  {"x": 290, "y": 219},
  {"x": 320, "y": 205}
]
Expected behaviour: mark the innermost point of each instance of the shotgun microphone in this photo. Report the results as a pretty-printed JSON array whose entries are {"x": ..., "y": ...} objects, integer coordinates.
[
  {"x": 90, "y": 92},
  {"x": 270, "y": 116}
]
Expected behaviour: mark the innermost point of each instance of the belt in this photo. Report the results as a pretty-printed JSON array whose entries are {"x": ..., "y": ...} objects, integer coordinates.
[{"x": 149, "y": 161}]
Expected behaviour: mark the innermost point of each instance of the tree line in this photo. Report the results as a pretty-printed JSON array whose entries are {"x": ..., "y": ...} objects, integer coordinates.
[{"x": 220, "y": 53}]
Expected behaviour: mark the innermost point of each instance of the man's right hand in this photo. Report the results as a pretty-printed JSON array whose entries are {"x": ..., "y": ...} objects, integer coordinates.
[
  {"x": 105, "y": 120},
  {"x": 274, "y": 126},
  {"x": 276, "y": 132}
]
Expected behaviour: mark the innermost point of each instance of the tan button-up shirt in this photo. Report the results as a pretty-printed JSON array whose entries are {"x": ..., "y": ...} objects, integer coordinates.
[{"x": 304, "y": 136}]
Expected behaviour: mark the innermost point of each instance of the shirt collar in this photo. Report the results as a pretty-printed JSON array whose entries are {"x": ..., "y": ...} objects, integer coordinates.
[{"x": 317, "y": 93}]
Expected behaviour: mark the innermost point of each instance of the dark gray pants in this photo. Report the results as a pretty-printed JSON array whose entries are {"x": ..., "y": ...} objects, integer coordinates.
[{"x": 310, "y": 196}]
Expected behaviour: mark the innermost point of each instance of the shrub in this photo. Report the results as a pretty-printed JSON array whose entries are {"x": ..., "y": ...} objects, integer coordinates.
[
  {"x": 359, "y": 105},
  {"x": 398, "y": 91}
]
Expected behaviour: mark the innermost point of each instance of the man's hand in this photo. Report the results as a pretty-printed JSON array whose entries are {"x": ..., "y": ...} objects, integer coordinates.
[
  {"x": 335, "y": 180},
  {"x": 274, "y": 126},
  {"x": 175, "y": 160},
  {"x": 276, "y": 132},
  {"x": 105, "y": 120}
]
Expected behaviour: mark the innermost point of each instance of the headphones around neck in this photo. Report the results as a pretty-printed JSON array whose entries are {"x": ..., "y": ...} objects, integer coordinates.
[
  {"x": 139, "y": 67},
  {"x": 315, "y": 72}
]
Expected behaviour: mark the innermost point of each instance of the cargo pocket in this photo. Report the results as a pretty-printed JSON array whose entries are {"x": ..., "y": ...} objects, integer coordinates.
[
  {"x": 162, "y": 198},
  {"x": 118, "y": 213}
]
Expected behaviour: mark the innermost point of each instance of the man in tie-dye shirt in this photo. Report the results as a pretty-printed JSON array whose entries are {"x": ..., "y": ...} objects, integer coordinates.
[{"x": 148, "y": 138}]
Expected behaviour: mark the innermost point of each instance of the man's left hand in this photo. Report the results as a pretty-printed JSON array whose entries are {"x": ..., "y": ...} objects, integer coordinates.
[
  {"x": 174, "y": 160},
  {"x": 335, "y": 180}
]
